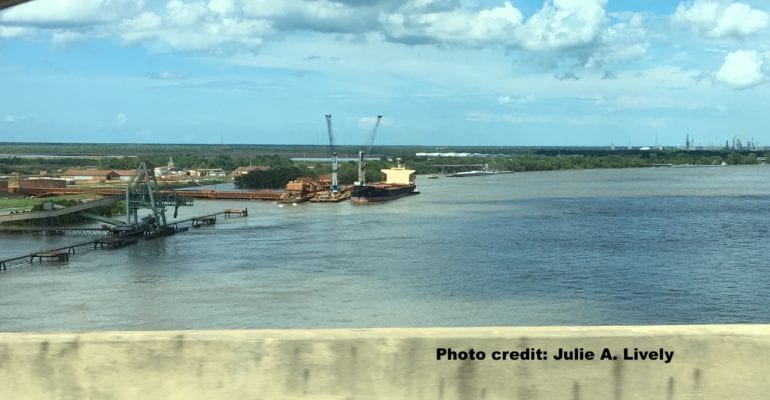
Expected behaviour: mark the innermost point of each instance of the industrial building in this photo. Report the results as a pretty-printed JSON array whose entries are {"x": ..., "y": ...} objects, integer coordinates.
[{"x": 97, "y": 175}]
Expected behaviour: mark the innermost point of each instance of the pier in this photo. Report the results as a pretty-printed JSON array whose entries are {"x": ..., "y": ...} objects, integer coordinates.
[
  {"x": 51, "y": 256},
  {"x": 232, "y": 211},
  {"x": 141, "y": 192},
  {"x": 197, "y": 222},
  {"x": 54, "y": 231},
  {"x": 115, "y": 242},
  {"x": 29, "y": 258},
  {"x": 117, "y": 238},
  {"x": 267, "y": 195}
]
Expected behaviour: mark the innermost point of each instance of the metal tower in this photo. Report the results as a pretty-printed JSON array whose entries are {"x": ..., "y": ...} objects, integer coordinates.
[{"x": 142, "y": 192}]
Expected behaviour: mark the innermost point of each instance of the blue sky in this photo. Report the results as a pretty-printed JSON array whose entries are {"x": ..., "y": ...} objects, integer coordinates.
[{"x": 442, "y": 72}]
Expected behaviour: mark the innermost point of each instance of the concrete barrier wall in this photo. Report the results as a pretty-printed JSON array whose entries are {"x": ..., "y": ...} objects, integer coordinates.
[{"x": 709, "y": 362}]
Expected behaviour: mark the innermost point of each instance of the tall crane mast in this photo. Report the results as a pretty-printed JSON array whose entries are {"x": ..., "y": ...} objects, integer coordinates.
[
  {"x": 335, "y": 186},
  {"x": 362, "y": 153}
]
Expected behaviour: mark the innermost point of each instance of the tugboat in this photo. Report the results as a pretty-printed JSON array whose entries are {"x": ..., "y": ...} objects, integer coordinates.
[{"x": 399, "y": 182}]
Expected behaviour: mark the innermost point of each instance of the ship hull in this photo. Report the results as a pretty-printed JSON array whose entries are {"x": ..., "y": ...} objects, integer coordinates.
[{"x": 380, "y": 193}]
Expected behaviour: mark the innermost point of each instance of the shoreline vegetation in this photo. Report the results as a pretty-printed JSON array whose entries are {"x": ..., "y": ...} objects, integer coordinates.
[{"x": 288, "y": 162}]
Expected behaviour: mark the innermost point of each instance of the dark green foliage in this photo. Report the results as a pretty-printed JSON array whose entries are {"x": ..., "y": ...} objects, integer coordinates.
[
  {"x": 33, "y": 166},
  {"x": 347, "y": 173},
  {"x": 282, "y": 170},
  {"x": 588, "y": 159},
  {"x": 228, "y": 157}
]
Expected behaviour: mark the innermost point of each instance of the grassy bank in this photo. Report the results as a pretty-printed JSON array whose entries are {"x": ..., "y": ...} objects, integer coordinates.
[{"x": 10, "y": 201}]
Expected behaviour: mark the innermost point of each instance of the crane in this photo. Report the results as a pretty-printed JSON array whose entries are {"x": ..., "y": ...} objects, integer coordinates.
[
  {"x": 335, "y": 187},
  {"x": 363, "y": 153}
]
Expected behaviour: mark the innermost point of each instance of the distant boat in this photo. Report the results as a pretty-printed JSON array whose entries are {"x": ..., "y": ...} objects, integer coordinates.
[
  {"x": 469, "y": 173},
  {"x": 697, "y": 165},
  {"x": 434, "y": 176},
  {"x": 477, "y": 173}
]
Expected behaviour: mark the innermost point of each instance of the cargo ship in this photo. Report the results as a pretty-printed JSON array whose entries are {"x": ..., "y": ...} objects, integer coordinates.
[{"x": 399, "y": 182}]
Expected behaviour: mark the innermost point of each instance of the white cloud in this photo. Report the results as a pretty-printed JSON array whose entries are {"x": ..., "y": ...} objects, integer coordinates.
[
  {"x": 67, "y": 37},
  {"x": 573, "y": 30},
  {"x": 182, "y": 14},
  {"x": 321, "y": 15},
  {"x": 10, "y": 118},
  {"x": 669, "y": 77},
  {"x": 619, "y": 43},
  {"x": 194, "y": 28},
  {"x": 223, "y": 6},
  {"x": 497, "y": 25},
  {"x": 717, "y": 19},
  {"x": 561, "y": 31},
  {"x": 64, "y": 13},
  {"x": 563, "y": 24},
  {"x": 168, "y": 75},
  {"x": 185, "y": 26},
  {"x": 506, "y": 99},
  {"x": 121, "y": 119},
  {"x": 742, "y": 69},
  {"x": 559, "y": 24},
  {"x": 507, "y": 118},
  {"x": 141, "y": 27},
  {"x": 368, "y": 122},
  {"x": 15, "y": 31}
]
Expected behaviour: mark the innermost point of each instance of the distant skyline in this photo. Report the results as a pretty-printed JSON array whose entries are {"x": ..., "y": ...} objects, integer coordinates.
[{"x": 441, "y": 72}]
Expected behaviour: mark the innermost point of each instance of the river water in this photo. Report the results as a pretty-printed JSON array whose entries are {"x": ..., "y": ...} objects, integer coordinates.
[{"x": 590, "y": 247}]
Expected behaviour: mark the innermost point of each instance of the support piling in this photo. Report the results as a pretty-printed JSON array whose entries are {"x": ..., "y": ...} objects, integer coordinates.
[{"x": 117, "y": 241}]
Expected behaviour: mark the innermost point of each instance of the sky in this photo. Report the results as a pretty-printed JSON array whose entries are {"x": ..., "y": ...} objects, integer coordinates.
[{"x": 441, "y": 72}]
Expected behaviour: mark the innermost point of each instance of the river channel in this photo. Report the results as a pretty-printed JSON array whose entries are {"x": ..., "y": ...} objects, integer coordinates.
[{"x": 586, "y": 247}]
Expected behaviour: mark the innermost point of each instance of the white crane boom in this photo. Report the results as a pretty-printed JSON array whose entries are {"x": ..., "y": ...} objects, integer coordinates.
[
  {"x": 363, "y": 153},
  {"x": 335, "y": 186}
]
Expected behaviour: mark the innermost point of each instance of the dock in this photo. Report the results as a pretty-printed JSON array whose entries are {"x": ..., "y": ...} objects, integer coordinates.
[
  {"x": 116, "y": 240},
  {"x": 231, "y": 212},
  {"x": 197, "y": 222},
  {"x": 50, "y": 256},
  {"x": 267, "y": 195},
  {"x": 196, "y": 194},
  {"x": 54, "y": 231}
]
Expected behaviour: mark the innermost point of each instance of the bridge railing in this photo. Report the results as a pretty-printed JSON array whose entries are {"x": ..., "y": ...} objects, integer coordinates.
[{"x": 701, "y": 362}]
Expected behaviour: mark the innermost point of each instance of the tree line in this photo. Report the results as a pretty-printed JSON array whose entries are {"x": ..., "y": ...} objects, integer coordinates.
[
  {"x": 536, "y": 162},
  {"x": 283, "y": 169}
]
